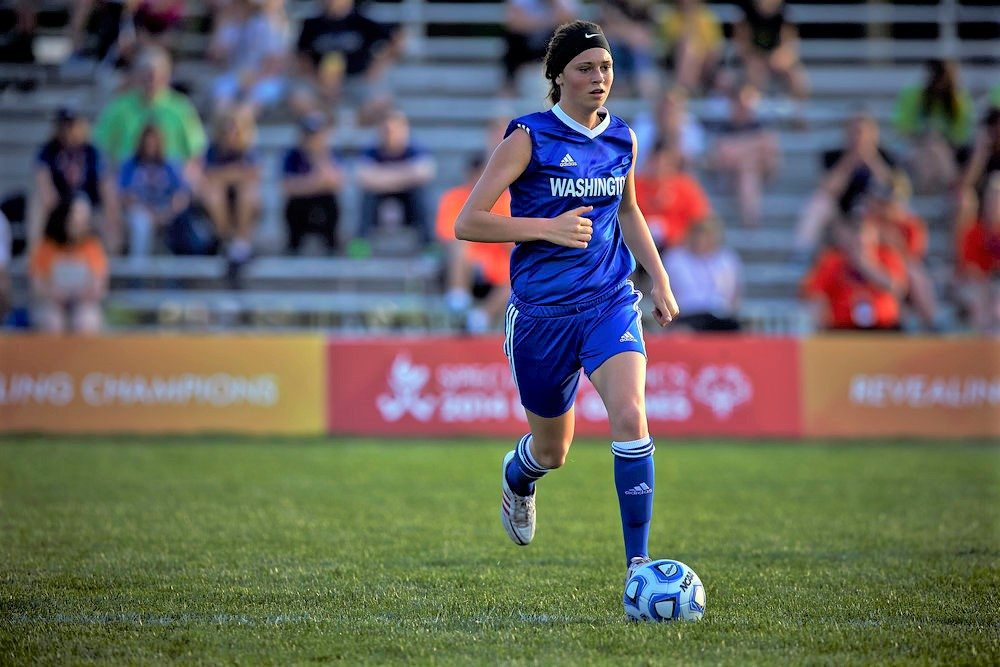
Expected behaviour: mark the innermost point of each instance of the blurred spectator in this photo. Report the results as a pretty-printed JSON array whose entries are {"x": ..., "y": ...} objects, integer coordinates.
[
  {"x": 673, "y": 123},
  {"x": 984, "y": 161},
  {"x": 747, "y": 151},
  {"x": 977, "y": 266},
  {"x": 694, "y": 41},
  {"x": 768, "y": 44},
  {"x": 17, "y": 39},
  {"x": 150, "y": 99},
  {"x": 67, "y": 164},
  {"x": 395, "y": 170},
  {"x": 858, "y": 282},
  {"x": 528, "y": 24},
  {"x": 69, "y": 271},
  {"x": 476, "y": 272},
  {"x": 230, "y": 190},
  {"x": 252, "y": 45},
  {"x": 111, "y": 20},
  {"x": 902, "y": 229},
  {"x": 849, "y": 173},
  {"x": 671, "y": 199},
  {"x": 156, "y": 200},
  {"x": 5, "y": 253},
  {"x": 156, "y": 21},
  {"x": 311, "y": 182},
  {"x": 343, "y": 55},
  {"x": 707, "y": 278},
  {"x": 936, "y": 118},
  {"x": 629, "y": 26}
]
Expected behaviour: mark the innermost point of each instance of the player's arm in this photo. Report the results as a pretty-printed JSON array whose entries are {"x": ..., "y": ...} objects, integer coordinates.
[
  {"x": 640, "y": 242},
  {"x": 475, "y": 222}
]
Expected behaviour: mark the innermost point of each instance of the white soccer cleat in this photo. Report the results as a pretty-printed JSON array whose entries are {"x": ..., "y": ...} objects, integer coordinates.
[
  {"x": 517, "y": 513},
  {"x": 635, "y": 564}
]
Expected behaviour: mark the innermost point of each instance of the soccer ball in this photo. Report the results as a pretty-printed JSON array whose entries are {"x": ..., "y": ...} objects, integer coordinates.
[{"x": 664, "y": 590}]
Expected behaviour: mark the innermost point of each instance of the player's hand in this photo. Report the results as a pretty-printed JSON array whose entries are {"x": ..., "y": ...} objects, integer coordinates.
[
  {"x": 570, "y": 229},
  {"x": 664, "y": 305}
]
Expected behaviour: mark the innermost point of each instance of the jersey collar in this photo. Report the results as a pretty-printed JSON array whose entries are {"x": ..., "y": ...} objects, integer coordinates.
[{"x": 583, "y": 129}]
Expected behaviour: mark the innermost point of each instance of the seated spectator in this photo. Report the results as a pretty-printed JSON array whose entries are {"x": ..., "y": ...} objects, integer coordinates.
[
  {"x": 252, "y": 45},
  {"x": 395, "y": 170},
  {"x": 905, "y": 231},
  {"x": 673, "y": 123},
  {"x": 849, "y": 172},
  {"x": 156, "y": 200},
  {"x": 984, "y": 161},
  {"x": 67, "y": 164},
  {"x": 528, "y": 24},
  {"x": 69, "y": 271},
  {"x": 476, "y": 272},
  {"x": 17, "y": 38},
  {"x": 747, "y": 151},
  {"x": 707, "y": 278},
  {"x": 977, "y": 269},
  {"x": 157, "y": 21},
  {"x": 150, "y": 99},
  {"x": 107, "y": 17},
  {"x": 311, "y": 182},
  {"x": 671, "y": 199},
  {"x": 858, "y": 282},
  {"x": 230, "y": 189},
  {"x": 343, "y": 56},
  {"x": 694, "y": 41},
  {"x": 768, "y": 44},
  {"x": 628, "y": 26},
  {"x": 936, "y": 118}
]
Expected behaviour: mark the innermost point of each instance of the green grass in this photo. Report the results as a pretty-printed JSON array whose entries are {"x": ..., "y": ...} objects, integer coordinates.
[{"x": 236, "y": 551}]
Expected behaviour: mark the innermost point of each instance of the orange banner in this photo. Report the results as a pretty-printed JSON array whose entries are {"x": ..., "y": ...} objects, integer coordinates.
[
  {"x": 886, "y": 386},
  {"x": 163, "y": 384}
]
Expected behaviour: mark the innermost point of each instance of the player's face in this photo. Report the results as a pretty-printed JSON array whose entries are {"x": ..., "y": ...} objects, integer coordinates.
[{"x": 586, "y": 81}]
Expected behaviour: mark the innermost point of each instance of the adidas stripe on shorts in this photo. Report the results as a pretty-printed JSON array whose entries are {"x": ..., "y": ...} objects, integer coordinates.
[{"x": 548, "y": 345}]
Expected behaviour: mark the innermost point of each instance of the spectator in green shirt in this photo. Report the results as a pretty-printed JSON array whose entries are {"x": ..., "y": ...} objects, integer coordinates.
[
  {"x": 150, "y": 99},
  {"x": 936, "y": 117}
]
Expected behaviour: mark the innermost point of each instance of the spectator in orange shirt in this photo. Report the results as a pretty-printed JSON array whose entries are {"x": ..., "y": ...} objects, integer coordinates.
[
  {"x": 69, "y": 271},
  {"x": 978, "y": 263},
  {"x": 858, "y": 282},
  {"x": 904, "y": 230},
  {"x": 671, "y": 199},
  {"x": 476, "y": 271}
]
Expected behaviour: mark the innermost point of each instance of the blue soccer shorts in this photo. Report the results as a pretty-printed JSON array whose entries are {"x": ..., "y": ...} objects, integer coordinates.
[{"x": 548, "y": 345}]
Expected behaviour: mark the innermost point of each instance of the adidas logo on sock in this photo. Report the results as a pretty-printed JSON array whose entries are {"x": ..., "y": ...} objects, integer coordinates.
[
  {"x": 568, "y": 161},
  {"x": 639, "y": 490},
  {"x": 627, "y": 337}
]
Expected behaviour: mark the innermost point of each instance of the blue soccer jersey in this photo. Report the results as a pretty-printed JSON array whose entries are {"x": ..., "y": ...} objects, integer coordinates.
[{"x": 571, "y": 166}]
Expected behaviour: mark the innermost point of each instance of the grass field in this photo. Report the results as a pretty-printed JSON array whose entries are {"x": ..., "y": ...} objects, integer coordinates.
[{"x": 241, "y": 551}]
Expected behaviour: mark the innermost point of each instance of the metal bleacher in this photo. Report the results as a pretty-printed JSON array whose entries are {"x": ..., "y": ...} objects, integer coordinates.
[{"x": 448, "y": 84}]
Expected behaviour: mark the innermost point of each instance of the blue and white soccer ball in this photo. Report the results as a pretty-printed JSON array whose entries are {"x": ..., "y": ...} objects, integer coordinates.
[{"x": 664, "y": 590}]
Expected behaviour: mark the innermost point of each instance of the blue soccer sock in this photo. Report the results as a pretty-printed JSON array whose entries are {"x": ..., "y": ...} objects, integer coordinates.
[
  {"x": 523, "y": 470},
  {"x": 634, "y": 481}
]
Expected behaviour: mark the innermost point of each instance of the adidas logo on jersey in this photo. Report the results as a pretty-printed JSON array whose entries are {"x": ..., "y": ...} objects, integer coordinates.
[
  {"x": 627, "y": 337},
  {"x": 639, "y": 490},
  {"x": 568, "y": 161}
]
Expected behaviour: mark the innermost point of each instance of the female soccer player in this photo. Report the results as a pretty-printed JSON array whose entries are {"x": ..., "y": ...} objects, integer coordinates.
[{"x": 578, "y": 232}]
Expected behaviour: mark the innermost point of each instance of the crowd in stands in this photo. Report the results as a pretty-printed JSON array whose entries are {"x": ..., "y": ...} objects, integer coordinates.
[{"x": 158, "y": 172}]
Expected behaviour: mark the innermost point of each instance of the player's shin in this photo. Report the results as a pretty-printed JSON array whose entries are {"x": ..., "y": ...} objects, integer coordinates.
[
  {"x": 523, "y": 470},
  {"x": 634, "y": 481}
]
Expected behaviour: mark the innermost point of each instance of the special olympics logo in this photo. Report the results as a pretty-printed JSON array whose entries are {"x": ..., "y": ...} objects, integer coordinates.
[
  {"x": 722, "y": 388},
  {"x": 406, "y": 381}
]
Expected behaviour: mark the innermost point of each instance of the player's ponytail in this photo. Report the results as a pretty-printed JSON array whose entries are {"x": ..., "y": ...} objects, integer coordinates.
[{"x": 567, "y": 42}]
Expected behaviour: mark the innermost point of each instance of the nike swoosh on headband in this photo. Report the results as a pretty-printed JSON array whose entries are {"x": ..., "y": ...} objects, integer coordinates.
[{"x": 592, "y": 34}]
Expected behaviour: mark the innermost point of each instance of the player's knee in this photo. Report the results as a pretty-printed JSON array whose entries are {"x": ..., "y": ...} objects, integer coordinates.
[
  {"x": 628, "y": 421},
  {"x": 550, "y": 457}
]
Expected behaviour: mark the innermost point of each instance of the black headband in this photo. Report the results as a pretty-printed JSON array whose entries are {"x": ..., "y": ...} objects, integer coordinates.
[{"x": 573, "y": 44}]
